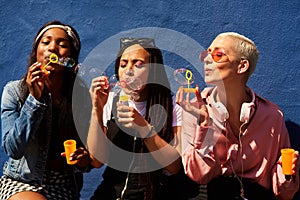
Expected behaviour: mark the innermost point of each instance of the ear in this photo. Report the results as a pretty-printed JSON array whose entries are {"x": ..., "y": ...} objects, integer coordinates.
[{"x": 243, "y": 66}]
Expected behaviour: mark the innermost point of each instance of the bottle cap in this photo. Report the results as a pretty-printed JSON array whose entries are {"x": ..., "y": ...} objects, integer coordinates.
[{"x": 124, "y": 98}]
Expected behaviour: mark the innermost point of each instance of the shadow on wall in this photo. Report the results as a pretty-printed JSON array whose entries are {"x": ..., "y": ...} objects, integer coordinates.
[{"x": 294, "y": 132}]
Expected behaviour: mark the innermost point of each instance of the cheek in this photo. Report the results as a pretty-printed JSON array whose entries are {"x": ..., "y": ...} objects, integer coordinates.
[
  {"x": 121, "y": 72},
  {"x": 142, "y": 75},
  {"x": 224, "y": 69},
  {"x": 40, "y": 55},
  {"x": 64, "y": 52}
]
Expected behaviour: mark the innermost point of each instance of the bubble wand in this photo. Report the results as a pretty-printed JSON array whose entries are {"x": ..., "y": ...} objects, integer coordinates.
[
  {"x": 52, "y": 59},
  {"x": 188, "y": 76}
]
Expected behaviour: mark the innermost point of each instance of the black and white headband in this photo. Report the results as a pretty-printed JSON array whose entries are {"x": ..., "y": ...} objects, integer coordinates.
[{"x": 65, "y": 28}]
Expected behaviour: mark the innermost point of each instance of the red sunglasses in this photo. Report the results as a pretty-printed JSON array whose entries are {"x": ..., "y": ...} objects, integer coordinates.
[{"x": 218, "y": 55}]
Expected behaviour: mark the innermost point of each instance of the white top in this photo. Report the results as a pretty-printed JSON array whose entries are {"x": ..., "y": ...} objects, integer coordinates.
[{"x": 141, "y": 108}]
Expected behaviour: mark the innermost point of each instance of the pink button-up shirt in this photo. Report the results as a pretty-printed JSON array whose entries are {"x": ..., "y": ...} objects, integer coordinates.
[{"x": 214, "y": 150}]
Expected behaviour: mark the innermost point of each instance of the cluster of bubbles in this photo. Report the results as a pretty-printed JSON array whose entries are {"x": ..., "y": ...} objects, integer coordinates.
[
  {"x": 65, "y": 61},
  {"x": 131, "y": 85}
]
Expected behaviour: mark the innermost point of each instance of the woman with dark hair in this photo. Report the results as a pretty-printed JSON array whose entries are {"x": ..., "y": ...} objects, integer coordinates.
[
  {"x": 137, "y": 137},
  {"x": 37, "y": 118}
]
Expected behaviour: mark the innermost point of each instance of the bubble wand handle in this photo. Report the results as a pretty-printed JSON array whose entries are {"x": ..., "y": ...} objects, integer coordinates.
[
  {"x": 52, "y": 59},
  {"x": 188, "y": 76}
]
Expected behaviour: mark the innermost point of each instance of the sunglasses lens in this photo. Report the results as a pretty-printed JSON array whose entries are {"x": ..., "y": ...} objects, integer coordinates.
[{"x": 217, "y": 55}]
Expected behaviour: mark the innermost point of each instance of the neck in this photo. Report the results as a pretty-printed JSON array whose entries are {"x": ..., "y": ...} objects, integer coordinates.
[{"x": 233, "y": 97}]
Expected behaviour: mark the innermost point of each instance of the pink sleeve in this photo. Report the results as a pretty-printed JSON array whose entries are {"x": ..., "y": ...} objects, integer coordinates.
[
  {"x": 282, "y": 188},
  {"x": 198, "y": 158}
]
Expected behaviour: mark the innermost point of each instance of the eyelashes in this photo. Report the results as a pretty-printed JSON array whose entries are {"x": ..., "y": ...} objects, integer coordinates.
[{"x": 137, "y": 63}]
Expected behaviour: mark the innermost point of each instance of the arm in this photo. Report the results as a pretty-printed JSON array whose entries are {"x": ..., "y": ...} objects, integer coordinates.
[
  {"x": 164, "y": 153},
  {"x": 283, "y": 188},
  {"x": 97, "y": 140},
  {"x": 198, "y": 150},
  {"x": 198, "y": 139},
  {"x": 19, "y": 124}
]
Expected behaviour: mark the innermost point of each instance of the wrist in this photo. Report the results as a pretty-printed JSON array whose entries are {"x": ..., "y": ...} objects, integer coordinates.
[
  {"x": 150, "y": 134},
  {"x": 97, "y": 115}
]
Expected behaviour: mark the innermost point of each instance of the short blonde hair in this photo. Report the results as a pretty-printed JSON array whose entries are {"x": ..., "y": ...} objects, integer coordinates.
[{"x": 245, "y": 47}]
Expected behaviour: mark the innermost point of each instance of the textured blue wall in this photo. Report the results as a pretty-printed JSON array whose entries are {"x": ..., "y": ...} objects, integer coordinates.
[{"x": 274, "y": 26}]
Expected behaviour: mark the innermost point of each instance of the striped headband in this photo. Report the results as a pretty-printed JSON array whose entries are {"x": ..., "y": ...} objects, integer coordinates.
[{"x": 68, "y": 31}]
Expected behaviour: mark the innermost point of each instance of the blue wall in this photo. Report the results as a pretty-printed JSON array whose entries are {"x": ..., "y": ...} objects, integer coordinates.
[{"x": 274, "y": 26}]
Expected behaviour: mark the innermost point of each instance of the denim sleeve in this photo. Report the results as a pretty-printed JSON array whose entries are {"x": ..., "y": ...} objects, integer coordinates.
[{"x": 19, "y": 122}]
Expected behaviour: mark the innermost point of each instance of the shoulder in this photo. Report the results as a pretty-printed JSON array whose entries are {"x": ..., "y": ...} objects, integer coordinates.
[
  {"x": 267, "y": 107},
  {"x": 11, "y": 95},
  {"x": 13, "y": 84},
  {"x": 12, "y": 87}
]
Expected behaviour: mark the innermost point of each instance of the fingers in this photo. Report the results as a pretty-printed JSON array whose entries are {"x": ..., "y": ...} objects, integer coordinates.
[
  {"x": 35, "y": 80},
  {"x": 129, "y": 117},
  {"x": 180, "y": 95},
  {"x": 34, "y": 73},
  {"x": 296, "y": 162},
  {"x": 125, "y": 113},
  {"x": 99, "y": 92},
  {"x": 198, "y": 94},
  {"x": 79, "y": 154},
  {"x": 99, "y": 85}
]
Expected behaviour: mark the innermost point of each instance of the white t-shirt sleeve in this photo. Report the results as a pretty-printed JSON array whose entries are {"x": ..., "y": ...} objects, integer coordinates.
[
  {"x": 107, "y": 109},
  {"x": 177, "y": 112}
]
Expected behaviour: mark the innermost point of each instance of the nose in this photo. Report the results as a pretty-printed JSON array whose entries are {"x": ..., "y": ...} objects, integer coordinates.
[
  {"x": 206, "y": 58},
  {"x": 129, "y": 69},
  {"x": 52, "y": 47}
]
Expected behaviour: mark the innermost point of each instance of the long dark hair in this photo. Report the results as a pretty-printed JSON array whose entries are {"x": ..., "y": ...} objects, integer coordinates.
[
  {"x": 69, "y": 73},
  {"x": 159, "y": 91}
]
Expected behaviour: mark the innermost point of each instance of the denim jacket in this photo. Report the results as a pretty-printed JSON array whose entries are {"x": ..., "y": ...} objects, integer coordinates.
[{"x": 23, "y": 139}]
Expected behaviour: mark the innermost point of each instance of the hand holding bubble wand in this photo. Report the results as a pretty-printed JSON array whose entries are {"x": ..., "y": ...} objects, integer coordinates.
[
  {"x": 185, "y": 77},
  {"x": 67, "y": 62}
]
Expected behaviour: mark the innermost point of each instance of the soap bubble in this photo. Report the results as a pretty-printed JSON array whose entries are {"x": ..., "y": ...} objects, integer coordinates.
[
  {"x": 67, "y": 62},
  {"x": 183, "y": 76},
  {"x": 130, "y": 85},
  {"x": 96, "y": 72},
  {"x": 113, "y": 81},
  {"x": 133, "y": 83},
  {"x": 63, "y": 61},
  {"x": 81, "y": 70}
]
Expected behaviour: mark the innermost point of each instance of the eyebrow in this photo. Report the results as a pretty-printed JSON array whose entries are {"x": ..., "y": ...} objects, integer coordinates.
[
  {"x": 134, "y": 59},
  {"x": 50, "y": 37}
]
